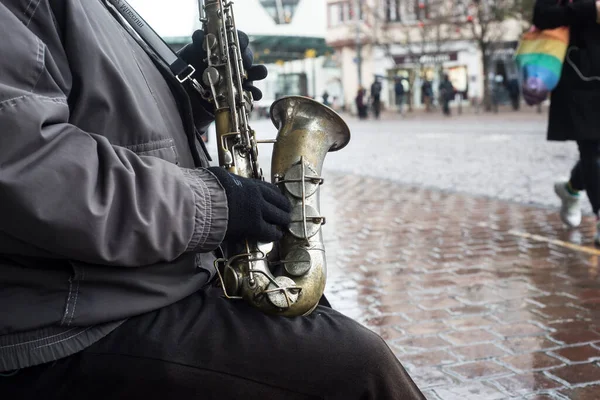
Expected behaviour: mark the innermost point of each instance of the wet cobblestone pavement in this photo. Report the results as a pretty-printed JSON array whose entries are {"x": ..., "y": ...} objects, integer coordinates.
[{"x": 479, "y": 298}]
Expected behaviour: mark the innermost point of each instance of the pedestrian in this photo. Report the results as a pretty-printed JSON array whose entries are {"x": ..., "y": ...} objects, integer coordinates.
[
  {"x": 376, "y": 97},
  {"x": 447, "y": 93},
  {"x": 427, "y": 94},
  {"x": 325, "y": 98},
  {"x": 399, "y": 92},
  {"x": 361, "y": 105},
  {"x": 575, "y": 103},
  {"x": 110, "y": 213}
]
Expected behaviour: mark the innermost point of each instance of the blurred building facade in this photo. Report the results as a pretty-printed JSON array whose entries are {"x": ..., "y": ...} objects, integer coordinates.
[
  {"x": 286, "y": 35},
  {"x": 415, "y": 40},
  {"x": 291, "y": 42}
]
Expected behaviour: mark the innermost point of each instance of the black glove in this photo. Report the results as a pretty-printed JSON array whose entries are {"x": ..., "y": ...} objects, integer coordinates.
[
  {"x": 256, "y": 208},
  {"x": 195, "y": 55}
]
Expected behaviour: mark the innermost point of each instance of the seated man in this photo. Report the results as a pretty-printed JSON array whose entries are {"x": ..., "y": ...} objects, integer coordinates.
[{"x": 109, "y": 215}]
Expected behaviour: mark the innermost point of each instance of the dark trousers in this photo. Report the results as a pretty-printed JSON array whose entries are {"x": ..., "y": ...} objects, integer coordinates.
[
  {"x": 376, "y": 107},
  {"x": 207, "y": 347},
  {"x": 586, "y": 173},
  {"x": 446, "y": 107}
]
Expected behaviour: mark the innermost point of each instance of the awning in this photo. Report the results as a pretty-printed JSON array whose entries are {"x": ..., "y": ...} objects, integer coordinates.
[{"x": 270, "y": 49}]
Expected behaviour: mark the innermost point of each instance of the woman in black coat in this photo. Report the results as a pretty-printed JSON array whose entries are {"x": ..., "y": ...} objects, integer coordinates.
[{"x": 575, "y": 103}]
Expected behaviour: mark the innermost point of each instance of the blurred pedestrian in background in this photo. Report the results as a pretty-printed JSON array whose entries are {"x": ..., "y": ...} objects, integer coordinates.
[
  {"x": 376, "y": 97},
  {"x": 361, "y": 106},
  {"x": 399, "y": 91},
  {"x": 575, "y": 103},
  {"x": 447, "y": 93},
  {"x": 427, "y": 94},
  {"x": 325, "y": 96}
]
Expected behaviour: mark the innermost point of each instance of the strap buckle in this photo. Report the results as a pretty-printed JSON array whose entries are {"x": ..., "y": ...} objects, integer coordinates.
[{"x": 188, "y": 72}]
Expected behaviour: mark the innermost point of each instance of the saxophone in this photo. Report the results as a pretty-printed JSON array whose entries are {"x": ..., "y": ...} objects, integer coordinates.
[{"x": 286, "y": 278}]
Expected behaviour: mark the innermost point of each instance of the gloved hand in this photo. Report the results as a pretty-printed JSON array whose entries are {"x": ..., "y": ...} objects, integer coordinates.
[
  {"x": 256, "y": 208},
  {"x": 195, "y": 55}
]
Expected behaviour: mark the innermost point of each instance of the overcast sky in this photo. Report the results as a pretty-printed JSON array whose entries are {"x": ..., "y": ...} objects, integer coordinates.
[{"x": 177, "y": 17}]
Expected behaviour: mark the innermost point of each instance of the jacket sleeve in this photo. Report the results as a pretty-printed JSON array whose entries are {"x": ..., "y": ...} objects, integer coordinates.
[
  {"x": 549, "y": 14},
  {"x": 73, "y": 194}
]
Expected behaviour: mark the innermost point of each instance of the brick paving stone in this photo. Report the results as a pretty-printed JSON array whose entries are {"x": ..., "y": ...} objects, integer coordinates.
[
  {"x": 468, "y": 310},
  {"x": 578, "y": 374},
  {"x": 472, "y": 391},
  {"x": 527, "y": 383},
  {"x": 425, "y": 328},
  {"x": 461, "y": 338},
  {"x": 417, "y": 344},
  {"x": 589, "y": 294},
  {"x": 520, "y": 329},
  {"x": 479, "y": 351},
  {"x": 560, "y": 312},
  {"x": 514, "y": 305},
  {"x": 578, "y": 353},
  {"x": 439, "y": 303},
  {"x": 554, "y": 299},
  {"x": 574, "y": 325},
  {"x": 437, "y": 283},
  {"x": 471, "y": 321},
  {"x": 426, "y": 378},
  {"x": 582, "y": 393},
  {"x": 479, "y": 294},
  {"x": 529, "y": 343},
  {"x": 479, "y": 369},
  {"x": 576, "y": 336},
  {"x": 428, "y": 315},
  {"x": 427, "y": 359},
  {"x": 508, "y": 317},
  {"x": 382, "y": 305},
  {"x": 531, "y": 362}
]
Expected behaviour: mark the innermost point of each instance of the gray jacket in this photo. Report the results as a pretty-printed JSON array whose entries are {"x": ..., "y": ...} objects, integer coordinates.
[{"x": 104, "y": 206}]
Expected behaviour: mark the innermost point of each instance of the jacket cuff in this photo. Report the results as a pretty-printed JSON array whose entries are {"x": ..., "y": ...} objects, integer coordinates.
[{"x": 211, "y": 216}]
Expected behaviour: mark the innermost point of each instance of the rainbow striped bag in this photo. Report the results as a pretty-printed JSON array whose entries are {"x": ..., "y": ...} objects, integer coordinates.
[{"x": 540, "y": 59}]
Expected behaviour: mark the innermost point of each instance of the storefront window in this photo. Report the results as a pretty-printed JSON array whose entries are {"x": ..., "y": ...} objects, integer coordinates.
[
  {"x": 408, "y": 10},
  {"x": 335, "y": 14},
  {"x": 292, "y": 84},
  {"x": 459, "y": 78},
  {"x": 392, "y": 10},
  {"x": 343, "y": 12},
  {"x": 282, "y": 11},
  {"x": 422, "y": 9}
]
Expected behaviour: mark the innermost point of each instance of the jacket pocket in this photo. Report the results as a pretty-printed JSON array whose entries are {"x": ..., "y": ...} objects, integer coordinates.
[{"x": 164, "y": 149}]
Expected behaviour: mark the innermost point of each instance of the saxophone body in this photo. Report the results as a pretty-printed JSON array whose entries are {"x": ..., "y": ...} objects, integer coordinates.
[{"x": 286, "y": 278}]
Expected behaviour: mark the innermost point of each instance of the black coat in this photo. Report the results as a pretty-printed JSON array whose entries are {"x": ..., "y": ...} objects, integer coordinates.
[{"x": 575, "y": 103}]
